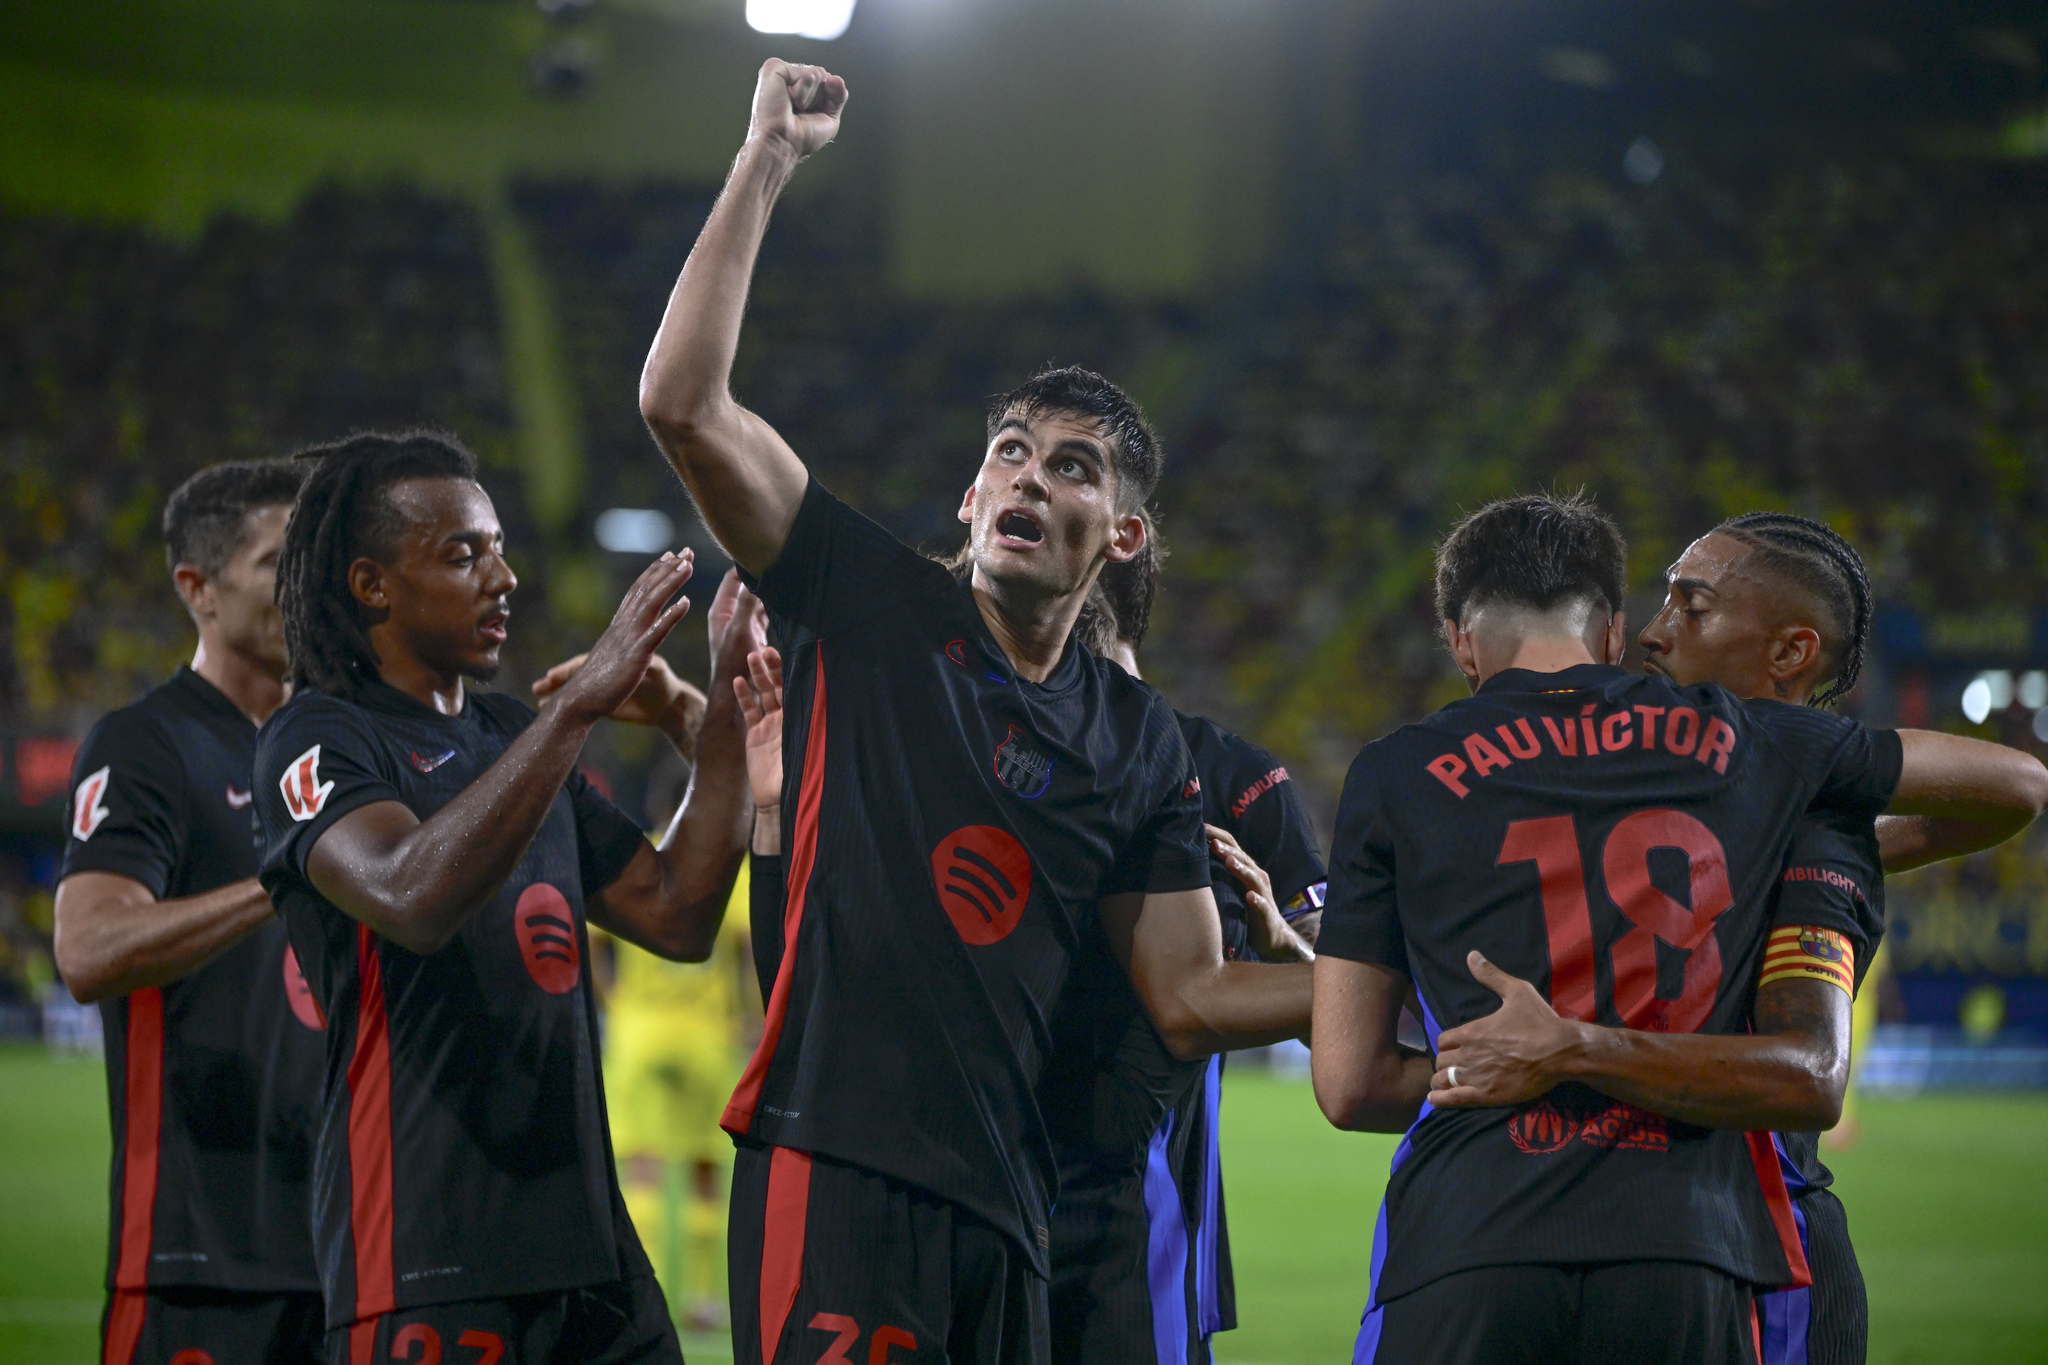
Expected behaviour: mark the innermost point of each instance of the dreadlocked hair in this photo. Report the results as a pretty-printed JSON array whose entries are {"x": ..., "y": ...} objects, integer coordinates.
[
  {"x": 1814, "y": 558},
  {"x": 343, "y": 514},
  {"x": 1119, "y": 606}
]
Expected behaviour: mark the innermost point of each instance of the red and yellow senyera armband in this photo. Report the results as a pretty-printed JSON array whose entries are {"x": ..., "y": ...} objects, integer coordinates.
[{"x": 1810, "y": 954}]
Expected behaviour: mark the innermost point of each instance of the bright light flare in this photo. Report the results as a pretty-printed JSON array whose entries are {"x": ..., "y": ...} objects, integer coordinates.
[
  {"x": 1977, "y": 701},
  {"x": 820, "y": 19},
  {"x": 635, "y": 531}
]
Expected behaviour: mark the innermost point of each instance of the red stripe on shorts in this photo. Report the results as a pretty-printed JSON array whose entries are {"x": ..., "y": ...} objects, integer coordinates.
[
  {"x": 362, "y": 1342},
  {"x": 124, "y": 1324},
  {"x": 782, "y": 1241}
]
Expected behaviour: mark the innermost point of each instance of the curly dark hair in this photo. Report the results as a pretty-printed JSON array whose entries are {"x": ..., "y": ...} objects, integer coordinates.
[
  {"x": 342, "y": 515},
  {"x": 1813, "y": 558},
  {"x": 1538, "y": 551}
]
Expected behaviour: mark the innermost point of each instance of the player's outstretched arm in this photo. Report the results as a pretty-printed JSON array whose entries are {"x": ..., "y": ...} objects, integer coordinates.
[
  {"x": 1958, "y": 796},
  {"x": 1787, "y": 1076},
  {"x": 416, "y": 882},
  {"x": 747, "y": 482},
  {"x": 1171, "y": 944},
  {"x": 671, "y": 901},
  {"x": 1365, "y": 1080},
  {"x": 112, "y": 936}
]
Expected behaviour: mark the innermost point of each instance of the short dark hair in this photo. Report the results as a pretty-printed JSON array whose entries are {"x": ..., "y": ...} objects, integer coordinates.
[
  {"x": 1538, "y": 551},
  {"x": 207, "y": 516},
  {"x": 342, "y": 515},
  {"x": 1814, "y": 558},
  {"x": 1134, "y": 445},
  {"x": 1119, "y": 607}
]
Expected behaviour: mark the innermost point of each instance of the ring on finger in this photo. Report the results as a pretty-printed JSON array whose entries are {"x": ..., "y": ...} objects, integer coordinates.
[{"x": 1451, "y": 1075}]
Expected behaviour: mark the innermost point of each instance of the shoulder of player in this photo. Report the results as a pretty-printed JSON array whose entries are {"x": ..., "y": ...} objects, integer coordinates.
[
  {"x": 1242, "y": 769},
  {"x": 310, "y": 718},
  {"x": 824, "y": 512},
  {"x": 135, "y": 736}
]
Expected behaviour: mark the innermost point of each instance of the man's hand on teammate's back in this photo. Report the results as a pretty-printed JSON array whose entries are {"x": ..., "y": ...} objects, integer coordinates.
[
  {"x": 796, "y": 108},
  {"x": 1506, "y": 1057},
  {"x": 1272, "y": 938}
]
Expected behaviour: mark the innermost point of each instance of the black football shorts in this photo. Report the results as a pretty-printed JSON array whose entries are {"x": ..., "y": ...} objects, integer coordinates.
[
  {"x": 624, "y": 1322},
  {"x": 832, "y": 1264},
  {"x": 1641, "y": 1312},
  {"x": 210, "y": 1327}
]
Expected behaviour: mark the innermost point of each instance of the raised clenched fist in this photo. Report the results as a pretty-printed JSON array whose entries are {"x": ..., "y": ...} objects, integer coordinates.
[{"x": 796, "y": 107}]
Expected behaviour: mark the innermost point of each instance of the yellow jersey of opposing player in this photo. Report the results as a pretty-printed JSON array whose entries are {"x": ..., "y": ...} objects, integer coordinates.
[{"x": 675, "y": 1037}]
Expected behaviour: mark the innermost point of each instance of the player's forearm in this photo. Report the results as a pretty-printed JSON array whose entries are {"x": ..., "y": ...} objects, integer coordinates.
[
  {"x": 1365, "y": 1080},
  {"x": 1755, "y": 1082},
  {"x": 419, "y": 888},
  {"x": 1999, "y": 789},
  {"x": 1234, "y": 1005},
  {"x": 1905, "y": 842},
  {"x": 701, "y": 853},
  {"x": 736, "y": 468},
  {"x": 108, "y": 943}
]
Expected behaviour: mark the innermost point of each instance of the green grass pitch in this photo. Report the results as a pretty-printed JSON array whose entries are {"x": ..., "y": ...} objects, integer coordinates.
[{"x": 1948, "y": 1197}]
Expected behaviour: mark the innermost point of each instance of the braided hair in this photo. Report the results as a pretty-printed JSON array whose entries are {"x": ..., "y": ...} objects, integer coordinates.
[
  {"x": 342, "y": 515},
  {"x": 1813, "y": 557}
]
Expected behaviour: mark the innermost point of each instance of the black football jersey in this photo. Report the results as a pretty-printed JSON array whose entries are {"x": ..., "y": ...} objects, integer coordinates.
[
  {"x": 948, "y": 828},
  {"x": 213, "y": 1080},
  {"x": 1132, "y": 1125},
  {"x": 1616, "y": 841},
  {"x": 1247, "y": 791},
  {"x": 464, "y": 1151},
  {"x": 1834, "y": 876}
]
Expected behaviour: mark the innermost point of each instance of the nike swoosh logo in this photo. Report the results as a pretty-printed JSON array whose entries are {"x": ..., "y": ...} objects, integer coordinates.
[
  {"x": 427, "y": 765},
  {"x": 237, "y": 800}
]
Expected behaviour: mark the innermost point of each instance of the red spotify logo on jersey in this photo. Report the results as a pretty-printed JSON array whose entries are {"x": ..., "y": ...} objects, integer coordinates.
[
  {"x": 547, "y": 938},
  {"x": 1542, "y": 1128},
  {"x": 299, "y": 995},
  {"x": 983, "y": 876}
]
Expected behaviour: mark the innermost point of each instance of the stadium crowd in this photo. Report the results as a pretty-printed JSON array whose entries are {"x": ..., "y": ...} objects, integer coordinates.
[{"x": 1688, "y": 348}]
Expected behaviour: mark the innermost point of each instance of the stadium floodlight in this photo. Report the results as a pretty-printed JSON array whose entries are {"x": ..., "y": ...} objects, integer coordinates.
[
  {"x": 2000, "y": 683},
  {"x": 2033, "y": 690},
  {"x": 1977, "y": 701},
  {"x": 820, "y": 19},
  {"x": 635, "y": 530}
]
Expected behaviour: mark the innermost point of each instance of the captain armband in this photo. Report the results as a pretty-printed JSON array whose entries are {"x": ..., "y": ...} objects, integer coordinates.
[{"x": 1806, "y": 953}]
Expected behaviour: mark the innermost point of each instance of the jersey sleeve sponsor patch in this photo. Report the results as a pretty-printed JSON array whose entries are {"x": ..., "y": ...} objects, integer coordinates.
[
  {"x": 1803, "y": 952},
  {"x": 305, "y": 795},
  {"x": 88, "y": 804}
]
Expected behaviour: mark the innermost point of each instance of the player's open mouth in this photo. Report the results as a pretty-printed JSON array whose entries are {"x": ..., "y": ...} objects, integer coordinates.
[
  {"x": 1012, "y": 524},
  {"x": 492, "y": 627}
]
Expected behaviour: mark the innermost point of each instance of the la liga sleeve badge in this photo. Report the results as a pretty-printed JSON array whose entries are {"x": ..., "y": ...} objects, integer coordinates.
[
  {"x": 304, "y": 793},
  {"x": 89, "y": 805}
]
